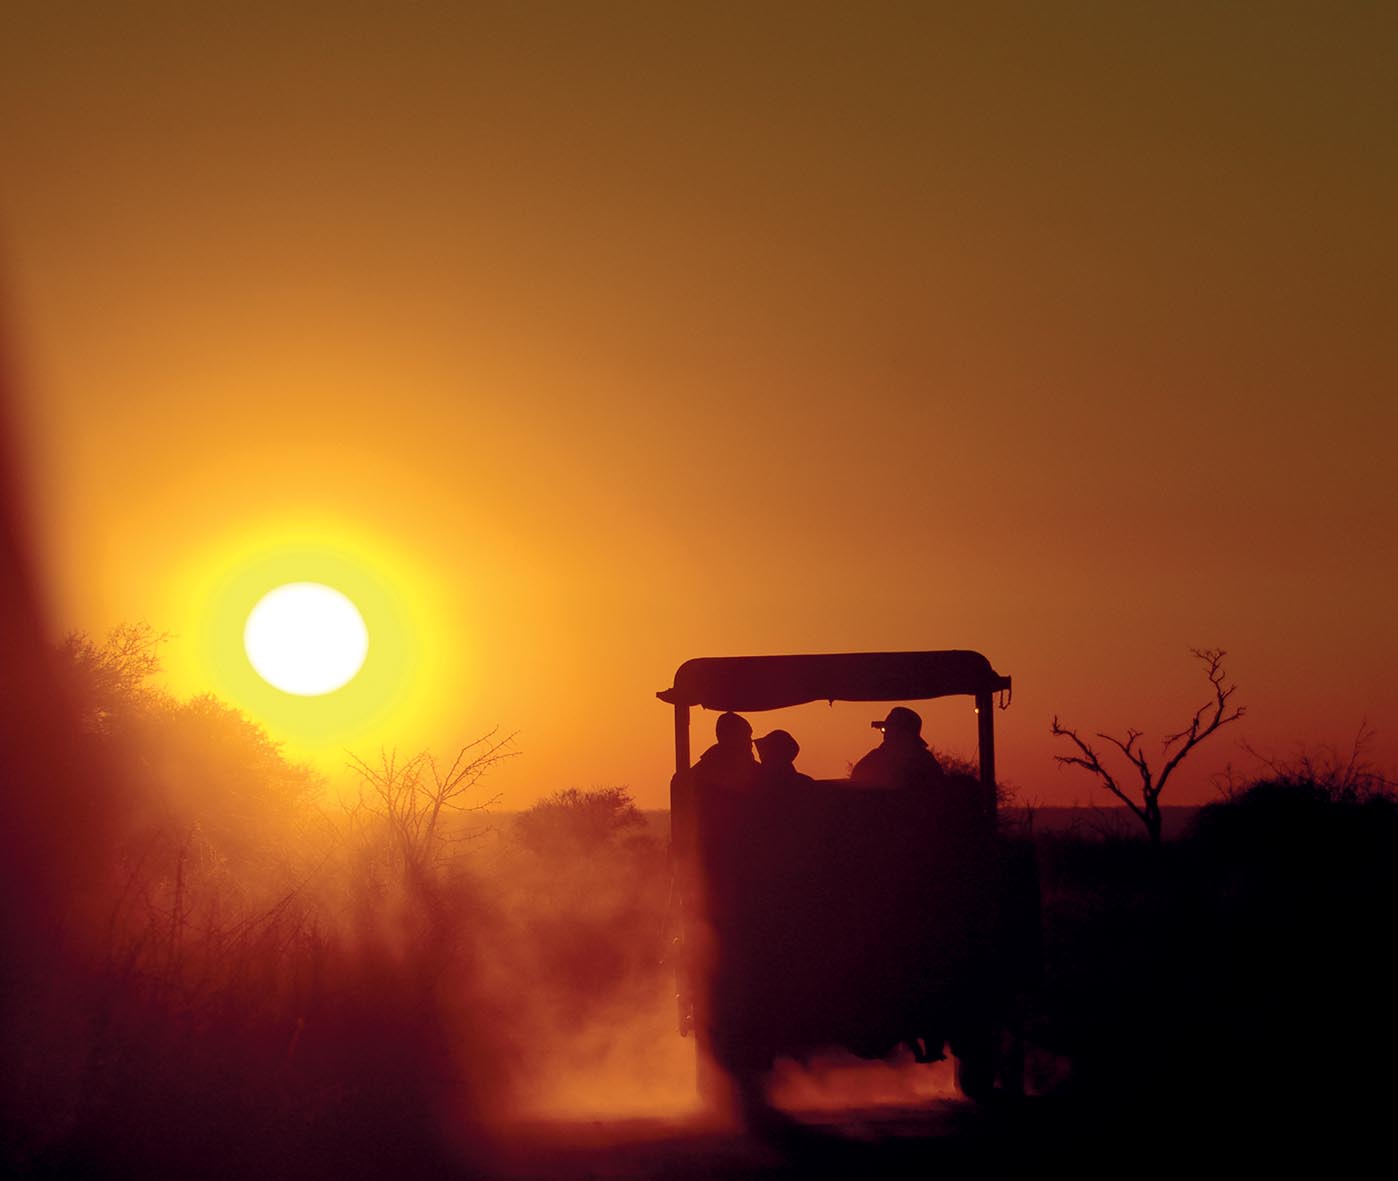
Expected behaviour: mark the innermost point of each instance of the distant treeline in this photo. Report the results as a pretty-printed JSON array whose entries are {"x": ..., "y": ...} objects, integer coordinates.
[{"x": 1107, "y": 822}]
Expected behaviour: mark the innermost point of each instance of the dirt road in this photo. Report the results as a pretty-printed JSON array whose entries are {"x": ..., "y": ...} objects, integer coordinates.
[{"x": 873, "y": 1142}]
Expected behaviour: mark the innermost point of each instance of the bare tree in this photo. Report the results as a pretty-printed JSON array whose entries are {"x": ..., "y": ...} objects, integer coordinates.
[
  {"x": 412, "y": 796},
  {"x": 1207, "y": 718}
]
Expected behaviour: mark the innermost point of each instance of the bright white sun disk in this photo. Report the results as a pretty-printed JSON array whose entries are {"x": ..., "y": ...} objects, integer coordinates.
[{"x": 306, "y": 638}]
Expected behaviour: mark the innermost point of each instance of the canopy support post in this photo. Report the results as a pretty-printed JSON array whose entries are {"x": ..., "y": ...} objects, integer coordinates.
[
  {"x": 985, "y": 727},
  {"x": 681, "y": 738}
]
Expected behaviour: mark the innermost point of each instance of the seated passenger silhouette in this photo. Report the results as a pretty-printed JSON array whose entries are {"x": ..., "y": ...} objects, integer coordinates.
[
  {"x": 777, "y": 752},
  {"x": 902, "y": 760},
  {"x": 726, "y": 766},
  {"x": 729, "y": 762}
]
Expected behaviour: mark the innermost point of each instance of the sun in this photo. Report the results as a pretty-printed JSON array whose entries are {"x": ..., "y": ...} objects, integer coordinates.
[
  {"x": 306, "y": 638},
  {"x": 317, "y": 633}
]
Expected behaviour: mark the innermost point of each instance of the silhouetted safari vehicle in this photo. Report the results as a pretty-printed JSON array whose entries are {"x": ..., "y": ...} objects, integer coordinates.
[{"x": 819, "y": 915}]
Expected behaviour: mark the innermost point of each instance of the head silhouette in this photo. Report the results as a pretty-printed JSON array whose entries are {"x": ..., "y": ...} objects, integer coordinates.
[
  {"x": 777, "y": 748},
  {"x": 733, "y": 730}
]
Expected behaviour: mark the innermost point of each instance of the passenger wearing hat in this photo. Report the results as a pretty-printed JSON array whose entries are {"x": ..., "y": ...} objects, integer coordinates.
[
  {"x": 902, "y": 760},
  {"x": 777, "y": 752}
]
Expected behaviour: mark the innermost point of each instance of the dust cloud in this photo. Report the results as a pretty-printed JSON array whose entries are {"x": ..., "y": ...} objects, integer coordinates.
[
  {"x": 215, "y": 948},
  {"x": 208, "y": 947}
]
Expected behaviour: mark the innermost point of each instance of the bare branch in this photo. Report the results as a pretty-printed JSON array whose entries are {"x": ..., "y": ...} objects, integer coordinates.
[
  {"x": 1208, "y": 718},
  {"x": 1137, "y": 759},
  {"x": 409, "y": 796},
  {"x": 1192, "y": 735},
  {"x": 1091, "y": 762}
]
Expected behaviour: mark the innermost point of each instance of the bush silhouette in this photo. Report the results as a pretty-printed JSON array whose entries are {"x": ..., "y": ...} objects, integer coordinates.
[{"x": 572, "y": 822}]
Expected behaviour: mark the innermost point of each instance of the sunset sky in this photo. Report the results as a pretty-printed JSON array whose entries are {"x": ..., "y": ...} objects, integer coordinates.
[{"x": 582, "y": 339}]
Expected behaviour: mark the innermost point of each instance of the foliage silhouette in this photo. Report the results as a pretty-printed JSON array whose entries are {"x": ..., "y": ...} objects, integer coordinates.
[
  {"x": 107, "y": 680},
  {"x": 1343, "y": 776},
  {"x": 210, "y": 964},
  {"x": 1232, "y": 984},
  {"x": 579, "y": 822}
]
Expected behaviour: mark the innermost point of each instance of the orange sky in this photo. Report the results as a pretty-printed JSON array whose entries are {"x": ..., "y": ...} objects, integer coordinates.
[{"x": 607, "y": 337}]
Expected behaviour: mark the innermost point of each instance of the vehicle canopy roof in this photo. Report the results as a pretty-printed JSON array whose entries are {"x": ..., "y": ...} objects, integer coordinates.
[{"x": 754, "y": 683}]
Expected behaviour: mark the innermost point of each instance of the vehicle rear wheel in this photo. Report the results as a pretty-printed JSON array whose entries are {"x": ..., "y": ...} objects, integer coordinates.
[
  {"x": 737, "y": 1086},
  {"x": 714, "y": 1084},
  {"x": 975, "y": 1077},
  {"x": 974, "y": 1051},
  {"x": 1011, "y": 1072},
  {"x": 990, "y": 1061}
]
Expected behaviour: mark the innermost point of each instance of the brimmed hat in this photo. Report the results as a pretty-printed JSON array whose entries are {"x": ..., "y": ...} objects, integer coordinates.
[
  {"x": 779, "y": 744},
  {"x": 901, "y": 720}
]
